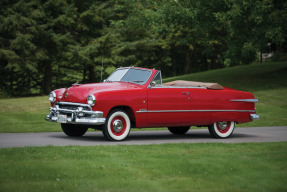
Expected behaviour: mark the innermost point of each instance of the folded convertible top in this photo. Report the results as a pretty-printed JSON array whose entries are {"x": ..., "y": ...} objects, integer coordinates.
[{"x": 181, "y": 83}]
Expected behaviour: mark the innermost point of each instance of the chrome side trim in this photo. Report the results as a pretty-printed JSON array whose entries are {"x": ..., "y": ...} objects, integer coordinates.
[
  {"x": 174, "y": 111},
  {"x": 176, "y": 87},
  {"x": 245, "y": 100}
]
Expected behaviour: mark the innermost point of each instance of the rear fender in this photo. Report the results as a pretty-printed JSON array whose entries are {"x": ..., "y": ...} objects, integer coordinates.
[{"x": 238, "y": 117}]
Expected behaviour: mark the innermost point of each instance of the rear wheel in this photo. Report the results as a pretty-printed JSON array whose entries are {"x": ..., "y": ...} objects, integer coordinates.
[
  {"x": 178, "y": 130},
  {"x": 73, "y": 130},
  {"x": 221, "y": 129},
  {"x": 117, "y": 126}
]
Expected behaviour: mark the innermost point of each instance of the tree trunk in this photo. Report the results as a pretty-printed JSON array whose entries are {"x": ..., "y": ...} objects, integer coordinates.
[
  {"x": 47, "y": 82},
  {"x": 92, "y": 76},
  {"x": 84, "y": 75},
  {"x": 213, "y": 64},
  {"x": 187, "y": 62},
  {"x": 11, "y": 76},
  {"x": 173, "y": 60},
  {"x": 260, "y": 57}
]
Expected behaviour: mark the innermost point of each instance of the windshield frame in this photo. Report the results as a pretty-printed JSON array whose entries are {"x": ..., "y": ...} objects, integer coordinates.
[{"x": 131, "y": 68}]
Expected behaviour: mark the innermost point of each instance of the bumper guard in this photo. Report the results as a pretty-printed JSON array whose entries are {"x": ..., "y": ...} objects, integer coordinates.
[
  {"x": 254, "y": 117},
  {"x": 77, "y": 115}
]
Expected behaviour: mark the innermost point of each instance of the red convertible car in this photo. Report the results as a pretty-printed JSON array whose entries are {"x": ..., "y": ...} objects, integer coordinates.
[{"x": 134, "y": 97}]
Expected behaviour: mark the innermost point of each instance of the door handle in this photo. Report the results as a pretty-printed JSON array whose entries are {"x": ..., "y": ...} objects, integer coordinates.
[{"x": 186, "y": 93}]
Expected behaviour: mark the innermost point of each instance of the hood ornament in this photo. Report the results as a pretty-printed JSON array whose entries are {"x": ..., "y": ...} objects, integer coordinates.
[
  {"x": 76, "y": 84},
  {"x": 66, "y": 95}
]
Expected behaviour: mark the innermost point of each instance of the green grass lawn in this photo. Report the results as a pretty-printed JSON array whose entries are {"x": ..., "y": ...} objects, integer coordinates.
[
  {"x": 168, "y": 167},
  {"x": 267, "y": 81},
  {"x": 25, "y": 115}
]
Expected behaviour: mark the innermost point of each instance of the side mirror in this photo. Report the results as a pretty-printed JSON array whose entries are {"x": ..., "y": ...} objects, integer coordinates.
[
  {"x": 105, "y": 80},
  {"x": 153, "y": 83}
]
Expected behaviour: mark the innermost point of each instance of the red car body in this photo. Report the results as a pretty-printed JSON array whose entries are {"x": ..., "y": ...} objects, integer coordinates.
[{"x": 147, "y": 104}]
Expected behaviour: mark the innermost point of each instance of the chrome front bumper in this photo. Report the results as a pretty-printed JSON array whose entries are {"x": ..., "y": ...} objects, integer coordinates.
[
  {"x": 254, "y": 117},
  {"x": 75, "y": 113}
]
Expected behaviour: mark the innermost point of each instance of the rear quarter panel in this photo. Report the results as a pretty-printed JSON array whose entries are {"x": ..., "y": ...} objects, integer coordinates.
[{"x": 210, "y": 106}]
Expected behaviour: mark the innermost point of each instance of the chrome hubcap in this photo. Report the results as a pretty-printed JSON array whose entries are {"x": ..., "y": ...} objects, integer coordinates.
[
  {"x": 222, "y": 125},
  {"x": 118, "y": 126}
]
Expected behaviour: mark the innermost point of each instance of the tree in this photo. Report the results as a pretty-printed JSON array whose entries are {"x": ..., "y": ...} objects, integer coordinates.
[{"x": 46, "y": 44}]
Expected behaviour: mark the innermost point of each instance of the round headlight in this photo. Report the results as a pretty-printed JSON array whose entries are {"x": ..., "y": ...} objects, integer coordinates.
[
  {"x": 91, "y": 100},
  {"x": 52, "y": 97}
]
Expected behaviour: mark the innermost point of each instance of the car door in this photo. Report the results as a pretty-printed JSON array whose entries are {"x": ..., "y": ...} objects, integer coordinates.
[
  {"x": 168, "y": 106},
  {"x": 202, "y": 103}
]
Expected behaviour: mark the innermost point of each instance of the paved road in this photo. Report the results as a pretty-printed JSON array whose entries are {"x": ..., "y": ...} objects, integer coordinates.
[{"x": 240, "y": 135}]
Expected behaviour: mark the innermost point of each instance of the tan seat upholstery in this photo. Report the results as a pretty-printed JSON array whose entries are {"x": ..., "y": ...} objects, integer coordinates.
[{"x": 181, "y": 83}]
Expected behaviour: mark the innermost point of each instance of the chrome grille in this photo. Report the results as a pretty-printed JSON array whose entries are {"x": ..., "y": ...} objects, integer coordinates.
[{"x": 73, "y": 106}]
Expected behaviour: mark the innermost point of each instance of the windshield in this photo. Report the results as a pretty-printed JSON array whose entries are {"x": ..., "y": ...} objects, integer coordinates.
[{"x": 139, "y": 76}]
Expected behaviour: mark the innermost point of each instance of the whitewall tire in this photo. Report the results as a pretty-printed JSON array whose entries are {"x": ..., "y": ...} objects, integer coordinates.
[
  {"x": 221, "y": 129},
  {"x": 117, "y": 126}
]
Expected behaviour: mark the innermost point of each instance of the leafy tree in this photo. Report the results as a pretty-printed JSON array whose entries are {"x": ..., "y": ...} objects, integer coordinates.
[
  {"x": 40, "y": 39},
  {"x": 46, "y": 44}
]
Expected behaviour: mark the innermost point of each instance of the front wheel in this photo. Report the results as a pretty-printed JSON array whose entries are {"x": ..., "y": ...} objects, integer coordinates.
[
  {"x": 73, "y": 130},
  {"x": 117, "y": 126},
  {"x": 221, "y": 129},
  {"x": 178, "y": 130}
]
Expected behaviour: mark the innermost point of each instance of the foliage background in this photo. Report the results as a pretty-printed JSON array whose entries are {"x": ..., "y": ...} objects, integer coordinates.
[{"x": 47, "y": 44}]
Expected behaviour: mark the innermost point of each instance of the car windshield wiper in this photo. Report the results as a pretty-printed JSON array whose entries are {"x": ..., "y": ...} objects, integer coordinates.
[
  {"x": 132, "y": 81},
  {"x": 106, "y": 80},
  {"x": 137, "y": 81}
]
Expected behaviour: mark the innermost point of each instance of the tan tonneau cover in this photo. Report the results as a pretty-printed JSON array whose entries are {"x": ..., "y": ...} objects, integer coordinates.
[{"x": 181, "y": 83}]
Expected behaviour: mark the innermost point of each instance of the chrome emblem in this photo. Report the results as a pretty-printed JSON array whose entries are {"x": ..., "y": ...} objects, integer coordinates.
[{"x": 66, "y": 95}]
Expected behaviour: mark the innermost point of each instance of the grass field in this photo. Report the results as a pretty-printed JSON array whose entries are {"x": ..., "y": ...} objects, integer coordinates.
[
  {"x": 267, "y": 81},
  {"x": 168, "y": 167},
  {"x": 25, "y": 115}
]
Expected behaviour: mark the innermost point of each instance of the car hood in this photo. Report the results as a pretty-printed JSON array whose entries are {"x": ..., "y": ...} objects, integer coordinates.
[{"x": 79, "y": 93}]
